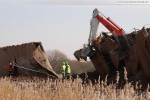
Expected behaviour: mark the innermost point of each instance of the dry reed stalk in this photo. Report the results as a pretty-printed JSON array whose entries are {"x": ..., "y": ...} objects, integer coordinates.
[{"x": 38, "y": 89}]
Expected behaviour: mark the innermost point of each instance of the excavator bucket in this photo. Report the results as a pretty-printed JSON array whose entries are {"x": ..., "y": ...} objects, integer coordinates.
[{"x": 78, "y": 56}]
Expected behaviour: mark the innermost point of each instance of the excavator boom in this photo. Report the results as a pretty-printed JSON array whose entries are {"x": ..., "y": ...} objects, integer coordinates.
[
  {"x": 111, "y": 26},
  {"x": 106, "y": 21}
]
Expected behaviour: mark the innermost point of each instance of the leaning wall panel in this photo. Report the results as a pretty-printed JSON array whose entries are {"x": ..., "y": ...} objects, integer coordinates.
[{"x": 10, "y": 53}]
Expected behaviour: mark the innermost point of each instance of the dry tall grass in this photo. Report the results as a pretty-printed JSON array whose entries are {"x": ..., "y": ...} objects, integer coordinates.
[{"x": 37, "y": 89}]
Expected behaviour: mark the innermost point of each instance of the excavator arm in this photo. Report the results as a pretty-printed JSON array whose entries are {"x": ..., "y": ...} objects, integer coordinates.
[
  {"x": 106, "y": 21},
  {"x": 111, "y": 26}
]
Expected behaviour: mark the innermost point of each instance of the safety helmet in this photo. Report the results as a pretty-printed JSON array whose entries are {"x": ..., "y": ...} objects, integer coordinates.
[
  {"x": 66, "y": 62},
  {"x": 63, "y": 62}
]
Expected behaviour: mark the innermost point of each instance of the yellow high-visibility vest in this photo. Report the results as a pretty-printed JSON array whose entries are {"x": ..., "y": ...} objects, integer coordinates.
[
  {"x": 63, "y": 68},
  {"x": 68, "y": 69}
]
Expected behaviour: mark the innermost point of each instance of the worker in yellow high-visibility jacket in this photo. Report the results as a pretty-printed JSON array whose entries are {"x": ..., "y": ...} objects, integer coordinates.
[
  {"x": 63, "y": 69},
  {"x": 67, "y": 70}
]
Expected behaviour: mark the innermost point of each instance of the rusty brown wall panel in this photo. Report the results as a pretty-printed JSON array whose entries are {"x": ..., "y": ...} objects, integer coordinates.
[
  {"x": 23, "y": 50},
  {"x": 18, "y": 51},
  {"x": 10, "y": 50},
  {"x": 26, "y": 53},
  {"x": 14, "y": 53},
  {"x": 9, "y": 53},
  {"x": 3, "y": 61},
  {"x": 1, "y": 55}
]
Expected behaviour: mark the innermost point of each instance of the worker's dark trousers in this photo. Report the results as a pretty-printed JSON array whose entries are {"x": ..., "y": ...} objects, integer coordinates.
[
  {"x": 63, "y": 75},
  {"x": 15, "y": 71},
  {"x": 10, "y": 73},
  {"x": 68, "y": 76}
]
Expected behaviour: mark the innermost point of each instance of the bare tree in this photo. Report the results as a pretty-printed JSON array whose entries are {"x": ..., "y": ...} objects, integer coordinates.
[
  {"x": 56, "y": 58},
  {"x": 56, "y": 55}
]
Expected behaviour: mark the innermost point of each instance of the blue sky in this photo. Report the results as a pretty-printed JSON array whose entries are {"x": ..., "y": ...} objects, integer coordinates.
[{"x": 62, "y": 27}]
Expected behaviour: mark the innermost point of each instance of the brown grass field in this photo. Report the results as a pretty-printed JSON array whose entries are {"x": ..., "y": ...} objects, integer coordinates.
[{"x": 47, "y": 89}]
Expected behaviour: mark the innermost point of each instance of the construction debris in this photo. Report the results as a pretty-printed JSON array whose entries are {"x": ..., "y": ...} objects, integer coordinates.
[
  {"x": 30, "y": 58},
  {"x": 136, "y": 59}
]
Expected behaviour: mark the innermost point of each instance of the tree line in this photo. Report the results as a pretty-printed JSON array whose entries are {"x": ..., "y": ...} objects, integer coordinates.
[{"x": 56, "y": 58}]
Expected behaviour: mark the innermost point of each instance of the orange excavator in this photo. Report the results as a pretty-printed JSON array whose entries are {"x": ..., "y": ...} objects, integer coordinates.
[{"x": 113, "y": 28}]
